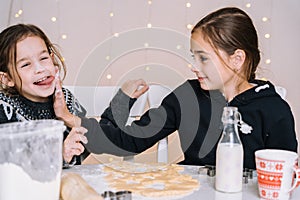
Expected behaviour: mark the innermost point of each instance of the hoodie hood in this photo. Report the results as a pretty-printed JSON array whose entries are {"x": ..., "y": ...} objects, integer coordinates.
[{"x": 261, "y": 89}]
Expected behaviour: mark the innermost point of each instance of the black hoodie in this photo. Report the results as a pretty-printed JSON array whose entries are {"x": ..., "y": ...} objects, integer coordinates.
[{"x": 196, "y": 114}]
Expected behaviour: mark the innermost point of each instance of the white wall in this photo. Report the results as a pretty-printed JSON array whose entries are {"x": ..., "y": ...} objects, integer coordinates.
[
  {"x": 285, "y": 50},
  {"x": 90, "y": 29},
  {"x": 4, "y": 10}
]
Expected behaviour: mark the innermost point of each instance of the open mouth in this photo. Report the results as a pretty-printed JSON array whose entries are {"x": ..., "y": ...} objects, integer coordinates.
[{"x": 44, "y": 81}]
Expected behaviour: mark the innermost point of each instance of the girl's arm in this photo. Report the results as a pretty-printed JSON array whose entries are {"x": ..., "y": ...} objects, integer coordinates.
[
  {"x": 132, "y": 88},
  {"x": 135, "y": 88},
  {"x": 112, "y": 135}
]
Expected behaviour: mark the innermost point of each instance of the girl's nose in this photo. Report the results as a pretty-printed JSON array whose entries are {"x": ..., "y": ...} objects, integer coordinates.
[
  {"x": 39, "y": 68},
  {"x": 195, "y": 68}
]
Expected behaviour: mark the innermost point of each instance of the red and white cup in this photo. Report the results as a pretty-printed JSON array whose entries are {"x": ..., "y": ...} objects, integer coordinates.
[{"x": 278, "y": 173}]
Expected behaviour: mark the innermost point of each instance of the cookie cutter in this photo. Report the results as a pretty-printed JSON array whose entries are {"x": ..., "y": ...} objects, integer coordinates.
[
  {"x": 119, "y": 195},
  {"x": 210, "y": 170}
]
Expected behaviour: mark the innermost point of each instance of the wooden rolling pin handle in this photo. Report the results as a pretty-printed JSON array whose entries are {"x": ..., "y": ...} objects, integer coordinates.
[{"x": 74, "y": 187}]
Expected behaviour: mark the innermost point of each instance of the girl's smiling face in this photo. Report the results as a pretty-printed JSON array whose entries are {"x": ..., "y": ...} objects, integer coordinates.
[
  {"x": 212, "y": 71},
  {"x": 35, "y": 72}
]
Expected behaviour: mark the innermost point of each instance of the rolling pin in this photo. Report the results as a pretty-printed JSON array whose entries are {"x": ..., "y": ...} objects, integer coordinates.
[{"x": 74, "y": 187}]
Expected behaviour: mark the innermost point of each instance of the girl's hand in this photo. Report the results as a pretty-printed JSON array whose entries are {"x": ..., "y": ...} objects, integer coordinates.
[
  {"x": 60, "y": 107},
  {"x": 135, "y": 88},
  {"x": 72, "y": 145}
]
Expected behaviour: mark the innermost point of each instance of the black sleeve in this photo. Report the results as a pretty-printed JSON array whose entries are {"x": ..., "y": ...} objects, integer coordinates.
[{"x": 111, "y": 135}]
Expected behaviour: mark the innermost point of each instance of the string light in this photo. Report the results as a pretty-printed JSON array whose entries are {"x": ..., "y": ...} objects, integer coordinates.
[
  {"x": 53, "y": 19},
  {"x": 149, "y": 25},
  {"x": 264, "y": 19},
  {"x": 146, "y": 45},
  {"x": 112, "y": 33},
  {"x": 189, "y": 26},
  {"x": 116, "y": 34},
  {"x": 108, "y": 76},
  {"x": 19, "y": 13},
  {"x": 110, "y": 14},
  {"x": 267, "y": 35}
]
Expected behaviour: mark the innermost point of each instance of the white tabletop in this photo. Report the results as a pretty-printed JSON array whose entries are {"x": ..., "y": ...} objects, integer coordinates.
[{"x": 94, "y": 174}]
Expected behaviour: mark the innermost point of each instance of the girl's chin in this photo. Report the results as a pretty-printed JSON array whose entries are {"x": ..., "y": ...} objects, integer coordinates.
[
  {"x": 204, "y": 86},
  {"x": 45, "y": 94},
  {"x": 48, "y": 91},
  {"x": 36, "y": 98}
]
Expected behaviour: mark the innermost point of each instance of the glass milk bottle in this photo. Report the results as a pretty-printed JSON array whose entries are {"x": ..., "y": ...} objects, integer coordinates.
[{"x": 229, "y": 157}]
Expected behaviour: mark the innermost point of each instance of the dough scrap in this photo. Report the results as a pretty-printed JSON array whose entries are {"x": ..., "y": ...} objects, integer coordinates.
[{"x": 150, "y": 180}]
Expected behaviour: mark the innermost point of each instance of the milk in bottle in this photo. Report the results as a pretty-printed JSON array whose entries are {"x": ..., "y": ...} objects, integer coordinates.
[{"x": 229, "y": 156}]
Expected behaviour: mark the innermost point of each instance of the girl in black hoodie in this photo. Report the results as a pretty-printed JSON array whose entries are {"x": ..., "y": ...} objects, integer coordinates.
[{"x": 224, "y": 45}]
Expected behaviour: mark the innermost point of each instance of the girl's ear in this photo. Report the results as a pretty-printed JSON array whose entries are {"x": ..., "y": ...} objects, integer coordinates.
[
  {"x": 6, "y": 80},
  {"x": 237, "y": 59}
]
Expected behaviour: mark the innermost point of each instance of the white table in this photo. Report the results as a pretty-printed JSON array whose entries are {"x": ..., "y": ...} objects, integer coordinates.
[{"x": 94, "y": 174}]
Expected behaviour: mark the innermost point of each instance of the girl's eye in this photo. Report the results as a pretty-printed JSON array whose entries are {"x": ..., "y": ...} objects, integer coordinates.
[
  {"x": 202, "y": 58},
  {"x": 25, "y": 65},
  {"x": 44, "y": 58}
]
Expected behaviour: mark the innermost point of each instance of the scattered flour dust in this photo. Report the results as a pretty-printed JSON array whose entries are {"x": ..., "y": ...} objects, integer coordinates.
[{"x": 16, "y": 184}]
